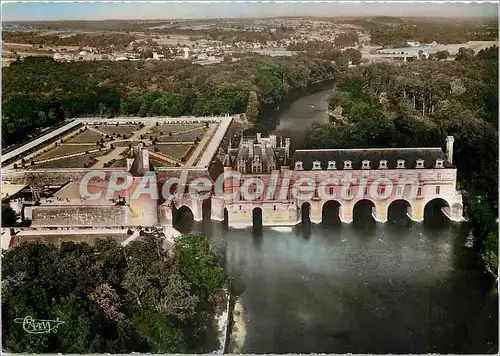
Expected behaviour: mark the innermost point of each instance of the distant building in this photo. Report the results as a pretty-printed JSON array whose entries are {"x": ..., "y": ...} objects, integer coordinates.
[
  {"x": 413, "y": 43},
  {"x": 186, "y": 52},
  {"x": 158, "y": 56}
]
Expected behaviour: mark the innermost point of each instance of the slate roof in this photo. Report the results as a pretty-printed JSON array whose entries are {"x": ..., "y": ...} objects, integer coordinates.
[
  {"x": 277, "y": 154},
  {"x": 374, "y": 155}
]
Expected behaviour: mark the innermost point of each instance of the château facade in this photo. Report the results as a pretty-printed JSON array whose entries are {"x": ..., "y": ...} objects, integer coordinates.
[{"x": 341, "y": 178}]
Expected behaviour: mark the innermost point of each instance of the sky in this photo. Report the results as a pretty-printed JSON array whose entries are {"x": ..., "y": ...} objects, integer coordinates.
[{"x": 59, "y": 10}]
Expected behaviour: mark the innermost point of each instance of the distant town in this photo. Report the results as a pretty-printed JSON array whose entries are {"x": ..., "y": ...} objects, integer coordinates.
[{"x": 213, "y": 41}]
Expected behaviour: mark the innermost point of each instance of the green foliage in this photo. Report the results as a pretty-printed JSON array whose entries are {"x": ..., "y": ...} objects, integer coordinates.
[
  {"x": 482, "y": 222},
  {"x": 40, "y": 92},
  {"x": 79, "y": 39},
  {"x": 346, "y": 39},
  {"x": 392, "y": 34},
  {"x": 464, "y": 54},
  {"x": 137, "y": 298},
  {"x": 198, "y": 264},
  {"x": 9, "y": 217},
  {"x": 418, "y": 105},
  {"x": 442, "y": 55}
]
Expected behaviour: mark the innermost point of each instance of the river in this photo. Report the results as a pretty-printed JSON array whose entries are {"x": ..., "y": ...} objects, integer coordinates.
[{"x": 399, "y": 287}]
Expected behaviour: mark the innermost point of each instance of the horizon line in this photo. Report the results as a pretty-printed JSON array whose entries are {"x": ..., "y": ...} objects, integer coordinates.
[{"x": 261, "y": 17}]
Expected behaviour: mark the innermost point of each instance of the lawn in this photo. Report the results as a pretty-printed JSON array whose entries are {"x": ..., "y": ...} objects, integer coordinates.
[
  {"x": 72, "y": 162},
  {"x": 183, "y": 137},
  {"x": 174, "y": 151},
  {"x": 122, "y": 129},
  {"x": 121, "y": 163},
  {"x": 88, "y": 136},
  {"x": 65, "y": 149},
  {"x": 165, "y": 129},
  {"x": 126, "y": 143}
]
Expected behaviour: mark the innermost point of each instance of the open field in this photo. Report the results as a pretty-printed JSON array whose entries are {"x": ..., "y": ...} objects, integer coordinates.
[{"x": 65, "y": 149}]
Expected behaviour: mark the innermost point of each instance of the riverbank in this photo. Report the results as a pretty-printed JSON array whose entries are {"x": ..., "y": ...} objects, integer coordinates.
[{"x": 269, "y": 115}]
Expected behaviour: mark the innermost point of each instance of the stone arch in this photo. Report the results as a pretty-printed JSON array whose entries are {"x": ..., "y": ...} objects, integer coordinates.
[
  {"x": 305, "y": 212},
  {"x": 399, "y": 209},
  {"x": 183, "y": 218},
  {"x": 436, "y": 207},
  {"x": 364, "y": 210},
  {"x": 330, "y": 212},
  {"x": 257, "y": 217}
]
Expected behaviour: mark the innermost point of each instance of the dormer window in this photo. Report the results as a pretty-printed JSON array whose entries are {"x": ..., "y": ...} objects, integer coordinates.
[
  {"x": 439, "y": 163},
  {"x": 298, "y": 166},
  {"x": 316, "y": 165},
  {"x": 347, "y": 165},
  {"x": 401, "y": 163},
  {"x": 366, "y": 164},
  {"x": 383, "y": 164},
  {"x": 331, "y": 165},
  {"x": 420, "y": 163}
]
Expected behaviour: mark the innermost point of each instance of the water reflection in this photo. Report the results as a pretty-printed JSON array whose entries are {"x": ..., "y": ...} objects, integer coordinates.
[
  {"x": 366, "y": 287},
  {"x": 399, "y": 287}
]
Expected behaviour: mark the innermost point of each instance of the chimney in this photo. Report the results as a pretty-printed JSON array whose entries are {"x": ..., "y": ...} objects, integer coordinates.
[
  {"x": 273, "y": 140},
  {"x": 250, "y": 148},
  {"x": 287, "y": 148},
  {"x": 449, "y": 148},
  {"x": 130, "y": 159},
  {"x": 145, "y": 159}
]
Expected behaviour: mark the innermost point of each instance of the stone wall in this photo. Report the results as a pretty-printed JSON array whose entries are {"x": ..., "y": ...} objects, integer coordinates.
[{"x": 80, "y": 215}]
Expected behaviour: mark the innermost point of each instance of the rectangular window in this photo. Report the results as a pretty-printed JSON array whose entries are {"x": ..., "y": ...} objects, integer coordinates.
[
  {"x": 331, "y": 190},
  {"x": 400, "y": 191},
  {"x": 419, "y": 192},
  {"x": 438, "y": 189}
]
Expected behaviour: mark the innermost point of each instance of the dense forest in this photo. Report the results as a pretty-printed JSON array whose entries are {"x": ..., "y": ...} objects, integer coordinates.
[
  {"x": 39, "y": 92},
  {"x": 418, "y": 105},
  {"x": 118, "y": 41},
  {"x": 113, "y": 299},
  {"x": 328, "y": 51},
  {"x": 395, "y": 32}
]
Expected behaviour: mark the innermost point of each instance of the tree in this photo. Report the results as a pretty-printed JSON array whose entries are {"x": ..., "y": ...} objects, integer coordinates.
[
  {"x": 442, "y": 55},
  {"x": 136, "y": 298},
  {"x": 464, "y": 54},
  {"x": 9, "y": 217}
]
